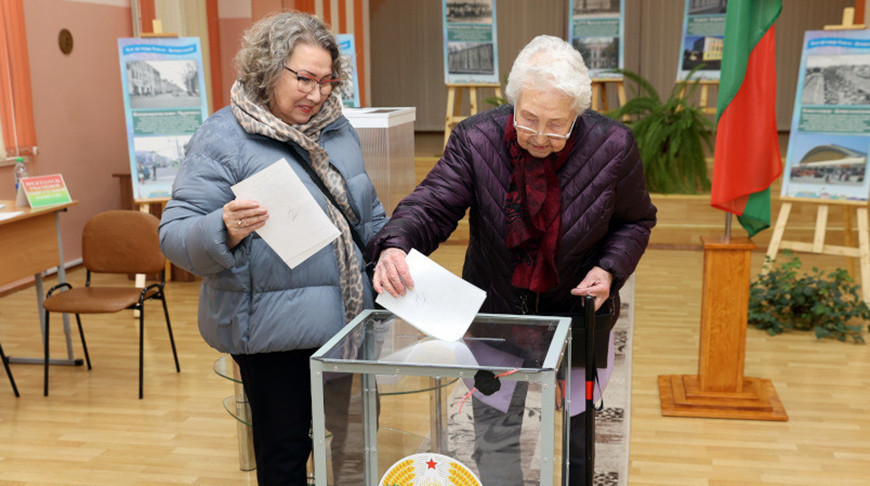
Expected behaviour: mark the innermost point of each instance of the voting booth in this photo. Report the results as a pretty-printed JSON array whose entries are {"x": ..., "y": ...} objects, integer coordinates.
[{"x": 391, "y": 405}]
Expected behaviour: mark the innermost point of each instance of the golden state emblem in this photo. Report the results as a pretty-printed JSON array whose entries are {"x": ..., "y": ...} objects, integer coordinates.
[{"x": 429, "y": 470}]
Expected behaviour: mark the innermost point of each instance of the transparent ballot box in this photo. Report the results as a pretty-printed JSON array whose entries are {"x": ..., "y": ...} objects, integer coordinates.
[{"x": 391, "y": 405}]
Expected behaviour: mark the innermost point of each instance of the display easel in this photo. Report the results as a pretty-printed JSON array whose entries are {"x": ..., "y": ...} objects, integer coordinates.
[
  {"x": 600, "y": 100},
  {"x": 144, "y": 205},
  {"x": 705, "y": 93},
  {"x": 454, "y": 103},
  {"x": 848, "y": 21},
  {"x": 818, "y": 245},
  {"x": 720, "y": 390}
]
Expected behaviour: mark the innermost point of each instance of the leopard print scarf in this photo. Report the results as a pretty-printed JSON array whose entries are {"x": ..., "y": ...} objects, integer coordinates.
[{"x": 258, "y": 119}]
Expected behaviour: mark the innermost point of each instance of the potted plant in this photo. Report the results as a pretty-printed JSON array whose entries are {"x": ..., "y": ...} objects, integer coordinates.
[
  {"x": 671, "y": 135},
  {"x": 784, "y": 300}
]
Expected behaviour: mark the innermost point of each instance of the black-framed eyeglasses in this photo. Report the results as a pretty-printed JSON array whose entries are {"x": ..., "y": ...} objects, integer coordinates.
[
  {"x": 306, "y": 84},
  {"x": 534, "y": 133}
]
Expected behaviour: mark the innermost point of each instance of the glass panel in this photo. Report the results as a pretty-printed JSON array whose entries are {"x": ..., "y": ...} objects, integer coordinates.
[
  {"x": 381, "y": 337},
  {"x": 393, "y": 397}
]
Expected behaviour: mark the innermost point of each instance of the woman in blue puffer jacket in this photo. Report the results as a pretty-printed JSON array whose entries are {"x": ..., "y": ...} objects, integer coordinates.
[
  {"x": 557, "y": 209},
  {"x": 269, "y": 317}
]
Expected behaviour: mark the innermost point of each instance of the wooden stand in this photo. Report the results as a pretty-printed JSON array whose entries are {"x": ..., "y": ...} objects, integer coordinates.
[
  {"x": 600, "y": 101},
  {"x": 862, "y": 251},
  {"x": 720, "y": 390},
  {"x": 454, "y": 103},
  {"x": 848, "y": 21},
  {"x": 705, "y": 93}
]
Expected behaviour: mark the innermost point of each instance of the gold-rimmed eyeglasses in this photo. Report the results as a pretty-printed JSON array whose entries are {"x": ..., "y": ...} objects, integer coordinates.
[
  {"x": 306, "y": 84},
  {"x": 556, "y": 137}
]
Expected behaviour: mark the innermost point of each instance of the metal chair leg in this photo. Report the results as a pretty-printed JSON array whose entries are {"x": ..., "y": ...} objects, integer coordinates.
[
  {"x": 8, "y": 371},
  {"x": 45, "y": 352},
  {"x": 84, "y": 344},
  {"x": 169, "y": 328},
  {"x": 141, "y": 343}
]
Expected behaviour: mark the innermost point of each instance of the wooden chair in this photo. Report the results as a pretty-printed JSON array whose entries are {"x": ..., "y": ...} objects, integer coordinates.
[
  {"x": 8, "y": 371},
  {"x": 120, "y": 242}
]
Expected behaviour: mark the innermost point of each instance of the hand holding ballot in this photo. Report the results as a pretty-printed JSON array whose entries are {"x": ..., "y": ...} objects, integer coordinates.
[
  {"x": 392, "y": 274},
  {"x": 441, "y": 304},
  {"x": 298, "y": 227},
  {"x": 242, "y": 217}
]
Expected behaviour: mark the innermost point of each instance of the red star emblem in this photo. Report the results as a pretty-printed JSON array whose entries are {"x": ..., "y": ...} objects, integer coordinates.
[{"x": 431, "y": 463}]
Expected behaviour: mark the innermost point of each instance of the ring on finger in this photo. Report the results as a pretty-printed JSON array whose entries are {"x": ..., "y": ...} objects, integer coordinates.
[{"x": 241, "y": 223}]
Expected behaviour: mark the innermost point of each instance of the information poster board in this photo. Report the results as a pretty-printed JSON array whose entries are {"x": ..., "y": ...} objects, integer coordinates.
[
  {"x": 349, "y": 88},
  {"x": 164, "y": 103},
  {"x": 596, "y": 29},
  {"x": 703, "y": 36},
  {"x": 830, "y": 127},
  {"x": 470, "y": 47}
]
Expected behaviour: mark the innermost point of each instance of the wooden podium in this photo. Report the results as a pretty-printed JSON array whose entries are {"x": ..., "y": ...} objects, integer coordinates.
[{"x": 720, "y": 390}]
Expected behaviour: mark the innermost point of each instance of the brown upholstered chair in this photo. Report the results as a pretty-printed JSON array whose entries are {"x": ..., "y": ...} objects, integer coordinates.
[
  {"x": 8, "y": 371},
  {"x": 120, "y": 242}
]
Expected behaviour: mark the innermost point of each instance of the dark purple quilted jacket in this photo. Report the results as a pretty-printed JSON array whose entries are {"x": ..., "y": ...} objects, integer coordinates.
[{"x": 606, "y": 210}]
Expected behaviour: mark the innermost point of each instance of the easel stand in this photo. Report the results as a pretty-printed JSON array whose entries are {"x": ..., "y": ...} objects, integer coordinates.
[
  {"x": 818, "y": 245},
  {"x": 720, "y": 390},
  {"x": 848, "y": 21},
  {"x": 705, "y": 85},
  {"x": 454, "y": 103},
  {"x": 600, "y": 100}
]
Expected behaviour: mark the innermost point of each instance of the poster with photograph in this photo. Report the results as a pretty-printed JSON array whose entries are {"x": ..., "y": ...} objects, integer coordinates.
[
  {"x": 164, "y": 103},
  {"x": 703, "y": 36},
  {"x": 349, "y": 88},
  {"x": 596, "y": 29},
  {"x": 470, "y": 48},
  {"x": 830, "y": 127}
]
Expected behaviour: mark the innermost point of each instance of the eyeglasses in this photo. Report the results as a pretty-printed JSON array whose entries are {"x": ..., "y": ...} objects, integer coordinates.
[
  {"x": 534, "y": 133},
  {"x": 306, "y": 84}
]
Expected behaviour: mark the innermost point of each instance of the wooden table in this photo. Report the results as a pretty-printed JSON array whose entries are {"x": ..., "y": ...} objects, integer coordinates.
[{"x": 30, "y": 243}]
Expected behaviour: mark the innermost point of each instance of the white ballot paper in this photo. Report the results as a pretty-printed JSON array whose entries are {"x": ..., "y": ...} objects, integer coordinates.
[
  {"x": 441, "y": 305},
  {"x": 297, "y": 227}
]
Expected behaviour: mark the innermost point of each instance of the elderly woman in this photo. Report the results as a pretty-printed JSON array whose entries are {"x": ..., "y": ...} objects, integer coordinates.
[
  {"x": 558, "y": 210},
  {"x": 269, "y": 317}
]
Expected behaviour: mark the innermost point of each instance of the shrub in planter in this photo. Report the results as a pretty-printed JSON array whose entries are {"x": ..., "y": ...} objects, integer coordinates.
[{"x": 829, "y": 305}]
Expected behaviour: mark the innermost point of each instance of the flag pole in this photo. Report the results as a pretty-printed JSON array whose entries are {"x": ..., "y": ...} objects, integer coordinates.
[{"x": 727, "y": 225}]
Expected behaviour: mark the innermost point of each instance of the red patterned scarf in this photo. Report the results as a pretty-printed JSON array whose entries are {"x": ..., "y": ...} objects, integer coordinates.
[{"x": 533, "y": 208}]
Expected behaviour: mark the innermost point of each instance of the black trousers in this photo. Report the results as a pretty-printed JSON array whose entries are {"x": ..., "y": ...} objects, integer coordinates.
[{"x": 278, "y": 387}]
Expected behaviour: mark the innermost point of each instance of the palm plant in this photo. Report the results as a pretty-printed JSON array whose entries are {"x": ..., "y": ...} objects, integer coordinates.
[{"x": 671, "y": 135}]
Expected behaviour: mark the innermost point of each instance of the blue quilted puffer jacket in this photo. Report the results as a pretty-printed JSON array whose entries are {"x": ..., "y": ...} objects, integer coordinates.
[
  {"x": 251, "y": 301},
  {"x": 606, "y": 210}
]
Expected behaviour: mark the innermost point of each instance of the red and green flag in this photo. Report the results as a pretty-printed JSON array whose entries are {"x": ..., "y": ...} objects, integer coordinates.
[{"x": 747, "y": 158}]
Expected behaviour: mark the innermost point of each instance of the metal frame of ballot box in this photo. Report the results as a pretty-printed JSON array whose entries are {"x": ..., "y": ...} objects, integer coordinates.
[{"x": 377, "y": 358}]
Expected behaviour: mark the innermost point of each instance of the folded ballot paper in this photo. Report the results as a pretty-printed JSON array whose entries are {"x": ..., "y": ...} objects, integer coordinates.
[
  {"x": 441, "y": 304},
  {"x": 297, "y": 227}
]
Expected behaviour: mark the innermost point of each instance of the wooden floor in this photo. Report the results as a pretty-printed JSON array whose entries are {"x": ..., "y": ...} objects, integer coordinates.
[{"x": 93, "y": 430}]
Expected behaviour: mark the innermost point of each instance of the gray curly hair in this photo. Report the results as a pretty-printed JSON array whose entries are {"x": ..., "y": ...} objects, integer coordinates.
[
  {"x": 268, "y": 44},
  {"x": 550, "y": 62}
]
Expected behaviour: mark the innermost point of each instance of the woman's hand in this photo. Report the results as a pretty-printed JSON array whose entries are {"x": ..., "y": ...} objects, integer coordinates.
[
  {"x": 242, "y": 217},
  {"x": 392, "y": 274},
  {"x": 597, "y": 284}
]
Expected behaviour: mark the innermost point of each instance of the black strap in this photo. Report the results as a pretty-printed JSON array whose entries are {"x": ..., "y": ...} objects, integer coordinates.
[{"x": 356, "y": 238}]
